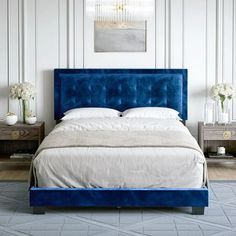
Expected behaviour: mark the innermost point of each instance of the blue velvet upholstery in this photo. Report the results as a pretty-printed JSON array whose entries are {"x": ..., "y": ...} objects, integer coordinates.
[
  {"x": 120, "y": 89},
  {"x": 102, "y": 197}
]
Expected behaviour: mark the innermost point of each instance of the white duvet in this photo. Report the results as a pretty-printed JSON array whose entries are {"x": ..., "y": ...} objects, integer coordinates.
[{"x": 146, "y": 167}]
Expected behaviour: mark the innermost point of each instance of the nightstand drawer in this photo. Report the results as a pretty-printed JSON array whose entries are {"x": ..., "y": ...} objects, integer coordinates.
[
  {"x": 219, "y": 134},
  {"x": 19, "y": 134}
]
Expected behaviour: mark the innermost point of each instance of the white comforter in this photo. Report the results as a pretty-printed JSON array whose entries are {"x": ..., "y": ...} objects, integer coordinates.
[{"x": 146, "y": 167}]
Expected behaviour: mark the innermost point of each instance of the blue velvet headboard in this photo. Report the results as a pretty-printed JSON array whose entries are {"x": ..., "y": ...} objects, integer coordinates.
[{"x": 120, "y": 89}]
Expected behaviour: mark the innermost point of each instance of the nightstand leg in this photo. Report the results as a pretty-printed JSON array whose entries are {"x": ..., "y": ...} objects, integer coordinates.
[
  {"x": 198, "y": 210},
  {"x": 39, "y": 210}
]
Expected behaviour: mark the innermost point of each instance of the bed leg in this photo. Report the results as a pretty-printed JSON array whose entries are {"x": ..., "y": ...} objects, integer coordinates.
[
  {"x": 38, "y": 210},
  {"x": 198, "y": 210}
]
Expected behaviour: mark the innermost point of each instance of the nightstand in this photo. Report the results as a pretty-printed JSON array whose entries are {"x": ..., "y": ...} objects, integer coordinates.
[
  {"x": 19, "y": 138},
  {"x": 212, "y": 136}
]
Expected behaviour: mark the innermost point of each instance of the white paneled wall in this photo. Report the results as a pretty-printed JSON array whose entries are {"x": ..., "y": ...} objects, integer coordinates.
[{"x": 37, "y": 36}]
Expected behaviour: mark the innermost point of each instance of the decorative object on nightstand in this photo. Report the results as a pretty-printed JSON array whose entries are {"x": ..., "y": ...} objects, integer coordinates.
[
  {"x": 31, "y": 119},
  {"x": 20, "y": 139},
  {"x": 223, "y": 93},
  {"x": 11, "y": 118},
  {"x": 23, "y": 92},
  {"x": 209, "y": 113},
  {"x": 218, "y": 142},
  {"x": 220, "y": 151}
]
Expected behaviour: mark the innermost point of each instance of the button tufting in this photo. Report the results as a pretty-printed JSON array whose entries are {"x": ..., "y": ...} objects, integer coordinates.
[{"x": 122, "y": 92}]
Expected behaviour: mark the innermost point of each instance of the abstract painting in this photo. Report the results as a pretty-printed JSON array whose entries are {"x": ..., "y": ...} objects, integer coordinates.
[{"x": 120, "y": 36}]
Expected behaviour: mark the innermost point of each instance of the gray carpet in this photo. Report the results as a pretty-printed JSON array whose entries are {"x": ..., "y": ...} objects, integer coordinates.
[{"x": 16, "y": 217}]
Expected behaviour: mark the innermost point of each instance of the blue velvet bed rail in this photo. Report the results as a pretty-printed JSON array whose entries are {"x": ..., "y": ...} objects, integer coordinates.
[
  {"x": 120, "y": 89},
  {"x": 110, "y": 197}
]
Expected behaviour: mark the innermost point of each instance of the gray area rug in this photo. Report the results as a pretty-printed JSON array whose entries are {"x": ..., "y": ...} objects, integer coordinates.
[{"x": 219, "y": 218}]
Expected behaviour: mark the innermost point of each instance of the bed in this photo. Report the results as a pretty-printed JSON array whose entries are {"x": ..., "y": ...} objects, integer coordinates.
[{"x": 119, "y": 89}]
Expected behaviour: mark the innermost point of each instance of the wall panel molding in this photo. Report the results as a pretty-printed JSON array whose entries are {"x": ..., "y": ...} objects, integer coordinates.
[
  {"x": 211, "y": 45},
  {"x": 220, "y": 39},
  {"x": 47, "y": 58},
  {"x": 62, "y": 34},
  {"x": 79, "y": 33},
  {"x": 183, "y": 28},
  {"x": 176, "y": 34},
  {"x": 227, "y": 41},
  {"x": 167, "y": 33},
  {"x": 4, "y": 57},
  {"x": 39, "y": 35},
  {"x": 30, "y": 46},
  {"x": 195, "y": 59},
  {"x": 71, "y": 33},
  {"x": 14, "y": 49},
  {"x": 160, "y": 34},
  {"x": 23, "y": 16},
  {"x": 234, "y": 56}
]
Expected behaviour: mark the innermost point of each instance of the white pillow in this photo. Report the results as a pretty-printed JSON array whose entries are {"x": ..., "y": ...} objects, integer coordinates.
[
  {"x": 90, "y": 113},
  {"x": 151, "y": 112}
]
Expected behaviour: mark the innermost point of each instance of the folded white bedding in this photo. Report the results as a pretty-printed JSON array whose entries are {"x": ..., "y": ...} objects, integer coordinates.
[{"x": 138, "y": 167}]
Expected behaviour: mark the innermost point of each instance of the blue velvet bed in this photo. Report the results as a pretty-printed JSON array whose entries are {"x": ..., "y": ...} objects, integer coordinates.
[{"x": 119, "y": 89}]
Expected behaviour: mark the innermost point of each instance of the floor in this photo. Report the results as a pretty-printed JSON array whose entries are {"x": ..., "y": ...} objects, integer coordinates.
[
  {"x": 16, "y": 217},
  {"x": 222, "y": 172},
  {"x": 16, "y": 174}
]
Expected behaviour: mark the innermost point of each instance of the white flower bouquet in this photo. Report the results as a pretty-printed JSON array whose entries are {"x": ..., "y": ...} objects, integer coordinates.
[
  {"x": 23, "y": 91},
  {"x": 222, "y": 92}
]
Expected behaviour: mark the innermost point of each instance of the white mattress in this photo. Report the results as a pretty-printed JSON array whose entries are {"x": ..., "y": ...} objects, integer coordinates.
[{"x": 89, "y": 167}]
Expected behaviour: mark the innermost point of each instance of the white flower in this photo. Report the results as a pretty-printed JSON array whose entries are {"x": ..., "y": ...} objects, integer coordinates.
[
  {"x": 24, "y": 91},
  {"x": 222, "y": 91}
]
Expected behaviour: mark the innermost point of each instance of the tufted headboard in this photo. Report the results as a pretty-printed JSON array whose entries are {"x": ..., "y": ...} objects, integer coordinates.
[{"x": 120, "y": 89}]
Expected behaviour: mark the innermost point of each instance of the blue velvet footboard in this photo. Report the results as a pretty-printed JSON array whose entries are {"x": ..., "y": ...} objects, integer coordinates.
[{"x": 107, "y": 197}]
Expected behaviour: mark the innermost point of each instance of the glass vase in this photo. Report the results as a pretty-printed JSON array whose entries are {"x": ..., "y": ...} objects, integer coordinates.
[
  {"x": 25, "y": 110},
  {"x": 209, "y": 113},
  {"x": 224, "y": 112}
]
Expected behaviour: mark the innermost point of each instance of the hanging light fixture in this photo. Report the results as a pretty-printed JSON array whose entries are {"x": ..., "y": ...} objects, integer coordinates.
[{"x": 119, "y": 10}]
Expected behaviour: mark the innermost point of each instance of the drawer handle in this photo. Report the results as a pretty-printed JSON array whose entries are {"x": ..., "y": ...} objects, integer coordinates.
[
  {"x": 227, "y": 135},
  {"x": 15, "y": 134}
]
